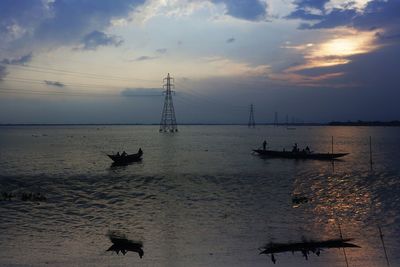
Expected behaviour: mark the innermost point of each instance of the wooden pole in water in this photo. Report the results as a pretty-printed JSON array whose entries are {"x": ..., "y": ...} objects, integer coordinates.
[
  {"x": 383, "y": 244},
  {"x": 370, "y": 151},
  {"x": 333, "y": 161},
  {"x": 344, "y": 251}
]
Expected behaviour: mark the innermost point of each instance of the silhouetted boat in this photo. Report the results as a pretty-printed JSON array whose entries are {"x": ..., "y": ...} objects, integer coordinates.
[
  {"x": 298, "y": 155},
  {"x": 121, "y": 159}
]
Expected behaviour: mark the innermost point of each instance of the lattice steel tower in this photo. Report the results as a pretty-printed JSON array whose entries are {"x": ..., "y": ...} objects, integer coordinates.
[
  {"x": 168, "y": 120},
  {"x": 252, "y": 123}
]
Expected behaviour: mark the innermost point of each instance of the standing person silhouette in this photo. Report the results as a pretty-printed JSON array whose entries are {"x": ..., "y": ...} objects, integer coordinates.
[{"x": 265, "y": 145}]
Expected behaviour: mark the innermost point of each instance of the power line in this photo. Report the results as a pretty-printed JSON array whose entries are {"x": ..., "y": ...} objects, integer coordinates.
[
  {"x": 62, "y": 84},
  {"x": 63, "y": 93},
  {"x": 40, "y": 69}
]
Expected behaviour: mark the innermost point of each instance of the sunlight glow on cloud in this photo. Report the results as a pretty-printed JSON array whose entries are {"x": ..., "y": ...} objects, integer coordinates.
[
  {"x": 335, "y": 51},
  {"x": 220, "y": 66}
]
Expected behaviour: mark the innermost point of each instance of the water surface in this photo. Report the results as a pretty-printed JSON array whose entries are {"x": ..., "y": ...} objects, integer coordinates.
[{"x": 198, "y": 198}]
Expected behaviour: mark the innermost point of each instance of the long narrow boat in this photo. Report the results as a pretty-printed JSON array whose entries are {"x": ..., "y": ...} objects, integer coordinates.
[
  {"x": 298, "y": 155},
  {"x": 126, "y": 159}
]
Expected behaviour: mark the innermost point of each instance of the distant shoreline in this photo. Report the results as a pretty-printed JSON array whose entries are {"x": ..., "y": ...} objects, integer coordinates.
[{"x": 333, "y": 123}]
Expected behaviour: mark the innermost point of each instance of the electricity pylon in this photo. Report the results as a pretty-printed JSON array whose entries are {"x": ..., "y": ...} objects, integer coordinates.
[
  {"x": 252, "y": 123},
  {"x": 168, "y": 120}
]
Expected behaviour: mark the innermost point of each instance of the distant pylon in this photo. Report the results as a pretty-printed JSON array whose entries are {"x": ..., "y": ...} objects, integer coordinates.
[
  {"x": 252, "y": 123},
  {"x": 168, "y": 120},
  {"x": 276, "y": 122}
]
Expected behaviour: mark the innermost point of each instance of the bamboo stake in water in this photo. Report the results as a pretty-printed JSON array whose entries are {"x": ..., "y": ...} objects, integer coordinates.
[
  {"x": 383, "y": 244},
  {"x": 344, "y": 251},
  {"x": 370, "y": 151}
]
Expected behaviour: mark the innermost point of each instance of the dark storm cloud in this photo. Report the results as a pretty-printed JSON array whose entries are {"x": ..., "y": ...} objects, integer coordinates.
[
  {"x": 54, "y": 83},
  {"x": 97, "y": 38},
  {"x": 230, "y": 40},
  {"x": 22, "y": 13},
  {"x": 253, "y": 10},
  {"x": 305, "y": 15},
  {"x": 337, "y": 17},
  {"x": 141, "y": 92},
  {"x": 74, "y": 18},
  {"x": 48, "y": 24},
  {"x": 319, "y": 4},
  {"x": 18, "y": 61},
  {"x": 377, "y": 14}
]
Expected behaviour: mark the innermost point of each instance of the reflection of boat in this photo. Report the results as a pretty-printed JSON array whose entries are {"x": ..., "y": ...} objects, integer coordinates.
[
  {"x": 298, "y": 155},
  {"x": 126, "y": 159},
  {"x": 121, "y": 244},
  {"x": 306, "y": 247}
]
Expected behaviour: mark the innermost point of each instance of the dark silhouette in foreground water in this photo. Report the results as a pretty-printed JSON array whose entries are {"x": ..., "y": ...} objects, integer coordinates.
[
  {"x": 306, "y": 247},
  {"x": 123, "y": 245}
]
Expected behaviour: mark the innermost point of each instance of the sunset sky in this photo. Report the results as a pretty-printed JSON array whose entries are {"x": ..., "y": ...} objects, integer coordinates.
[{"x": 98, "y": 61}]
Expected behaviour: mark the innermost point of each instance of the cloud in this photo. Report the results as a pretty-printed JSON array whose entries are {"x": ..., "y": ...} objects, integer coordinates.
[
  {"x": 336, "y": 50},
  {"x": 18, "y": 61},
  {"x": 162, "y": 51},
  {"x": 220, "y": 66},
  {"x": 93, "y": 40},
  {"x": 39, "y": 25},
  {"x": 144, "y": 58},
  {"x": 253, "y": 10},
  {"x": 13, "y": 61},
  {"x": 141, "y": 92},
  {"x": 54, "y": 83},
  {"x": 362, "y": 15},
  {"x": 325, "y": 60},
  {"x": 230, "y": 40}
]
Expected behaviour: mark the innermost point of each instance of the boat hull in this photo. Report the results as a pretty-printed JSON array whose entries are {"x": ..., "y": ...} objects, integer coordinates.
[
  {"x": 298, "y": 155},
  {"x": 122, "y": 160}
]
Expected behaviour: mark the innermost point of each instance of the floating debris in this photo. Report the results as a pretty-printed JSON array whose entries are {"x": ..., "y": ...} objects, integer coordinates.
[
  {"x": 39, "y": 197},
  {"x": 7, "y": 196},
  {"x": 25, "y": 196},
  {"x": 306, "y": 247},
  {"x": 123, "y": 245},
  {"x": 299, "y": 199}
]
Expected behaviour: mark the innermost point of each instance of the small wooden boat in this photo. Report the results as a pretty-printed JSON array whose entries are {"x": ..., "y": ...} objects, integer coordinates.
[
  {"x": 121, "y": 159},
  {"x": 298, "y": 155}
]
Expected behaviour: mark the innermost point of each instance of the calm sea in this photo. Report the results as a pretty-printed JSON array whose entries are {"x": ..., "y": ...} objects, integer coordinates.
[{"x": 198, "y": 198}]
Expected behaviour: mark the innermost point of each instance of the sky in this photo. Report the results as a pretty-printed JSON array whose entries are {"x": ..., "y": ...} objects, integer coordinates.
[{"x": 103, "y": 61}]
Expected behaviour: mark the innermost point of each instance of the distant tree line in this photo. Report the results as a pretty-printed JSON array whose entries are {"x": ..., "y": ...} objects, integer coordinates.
[{"x": 365, "y": 123}]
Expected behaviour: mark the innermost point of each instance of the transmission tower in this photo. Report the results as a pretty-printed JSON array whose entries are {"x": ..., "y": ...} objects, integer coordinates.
[
  {"x": 276, "y": 122},
  {"x": 168, "y": 120},
  {"x": 252, "y": 123}
]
